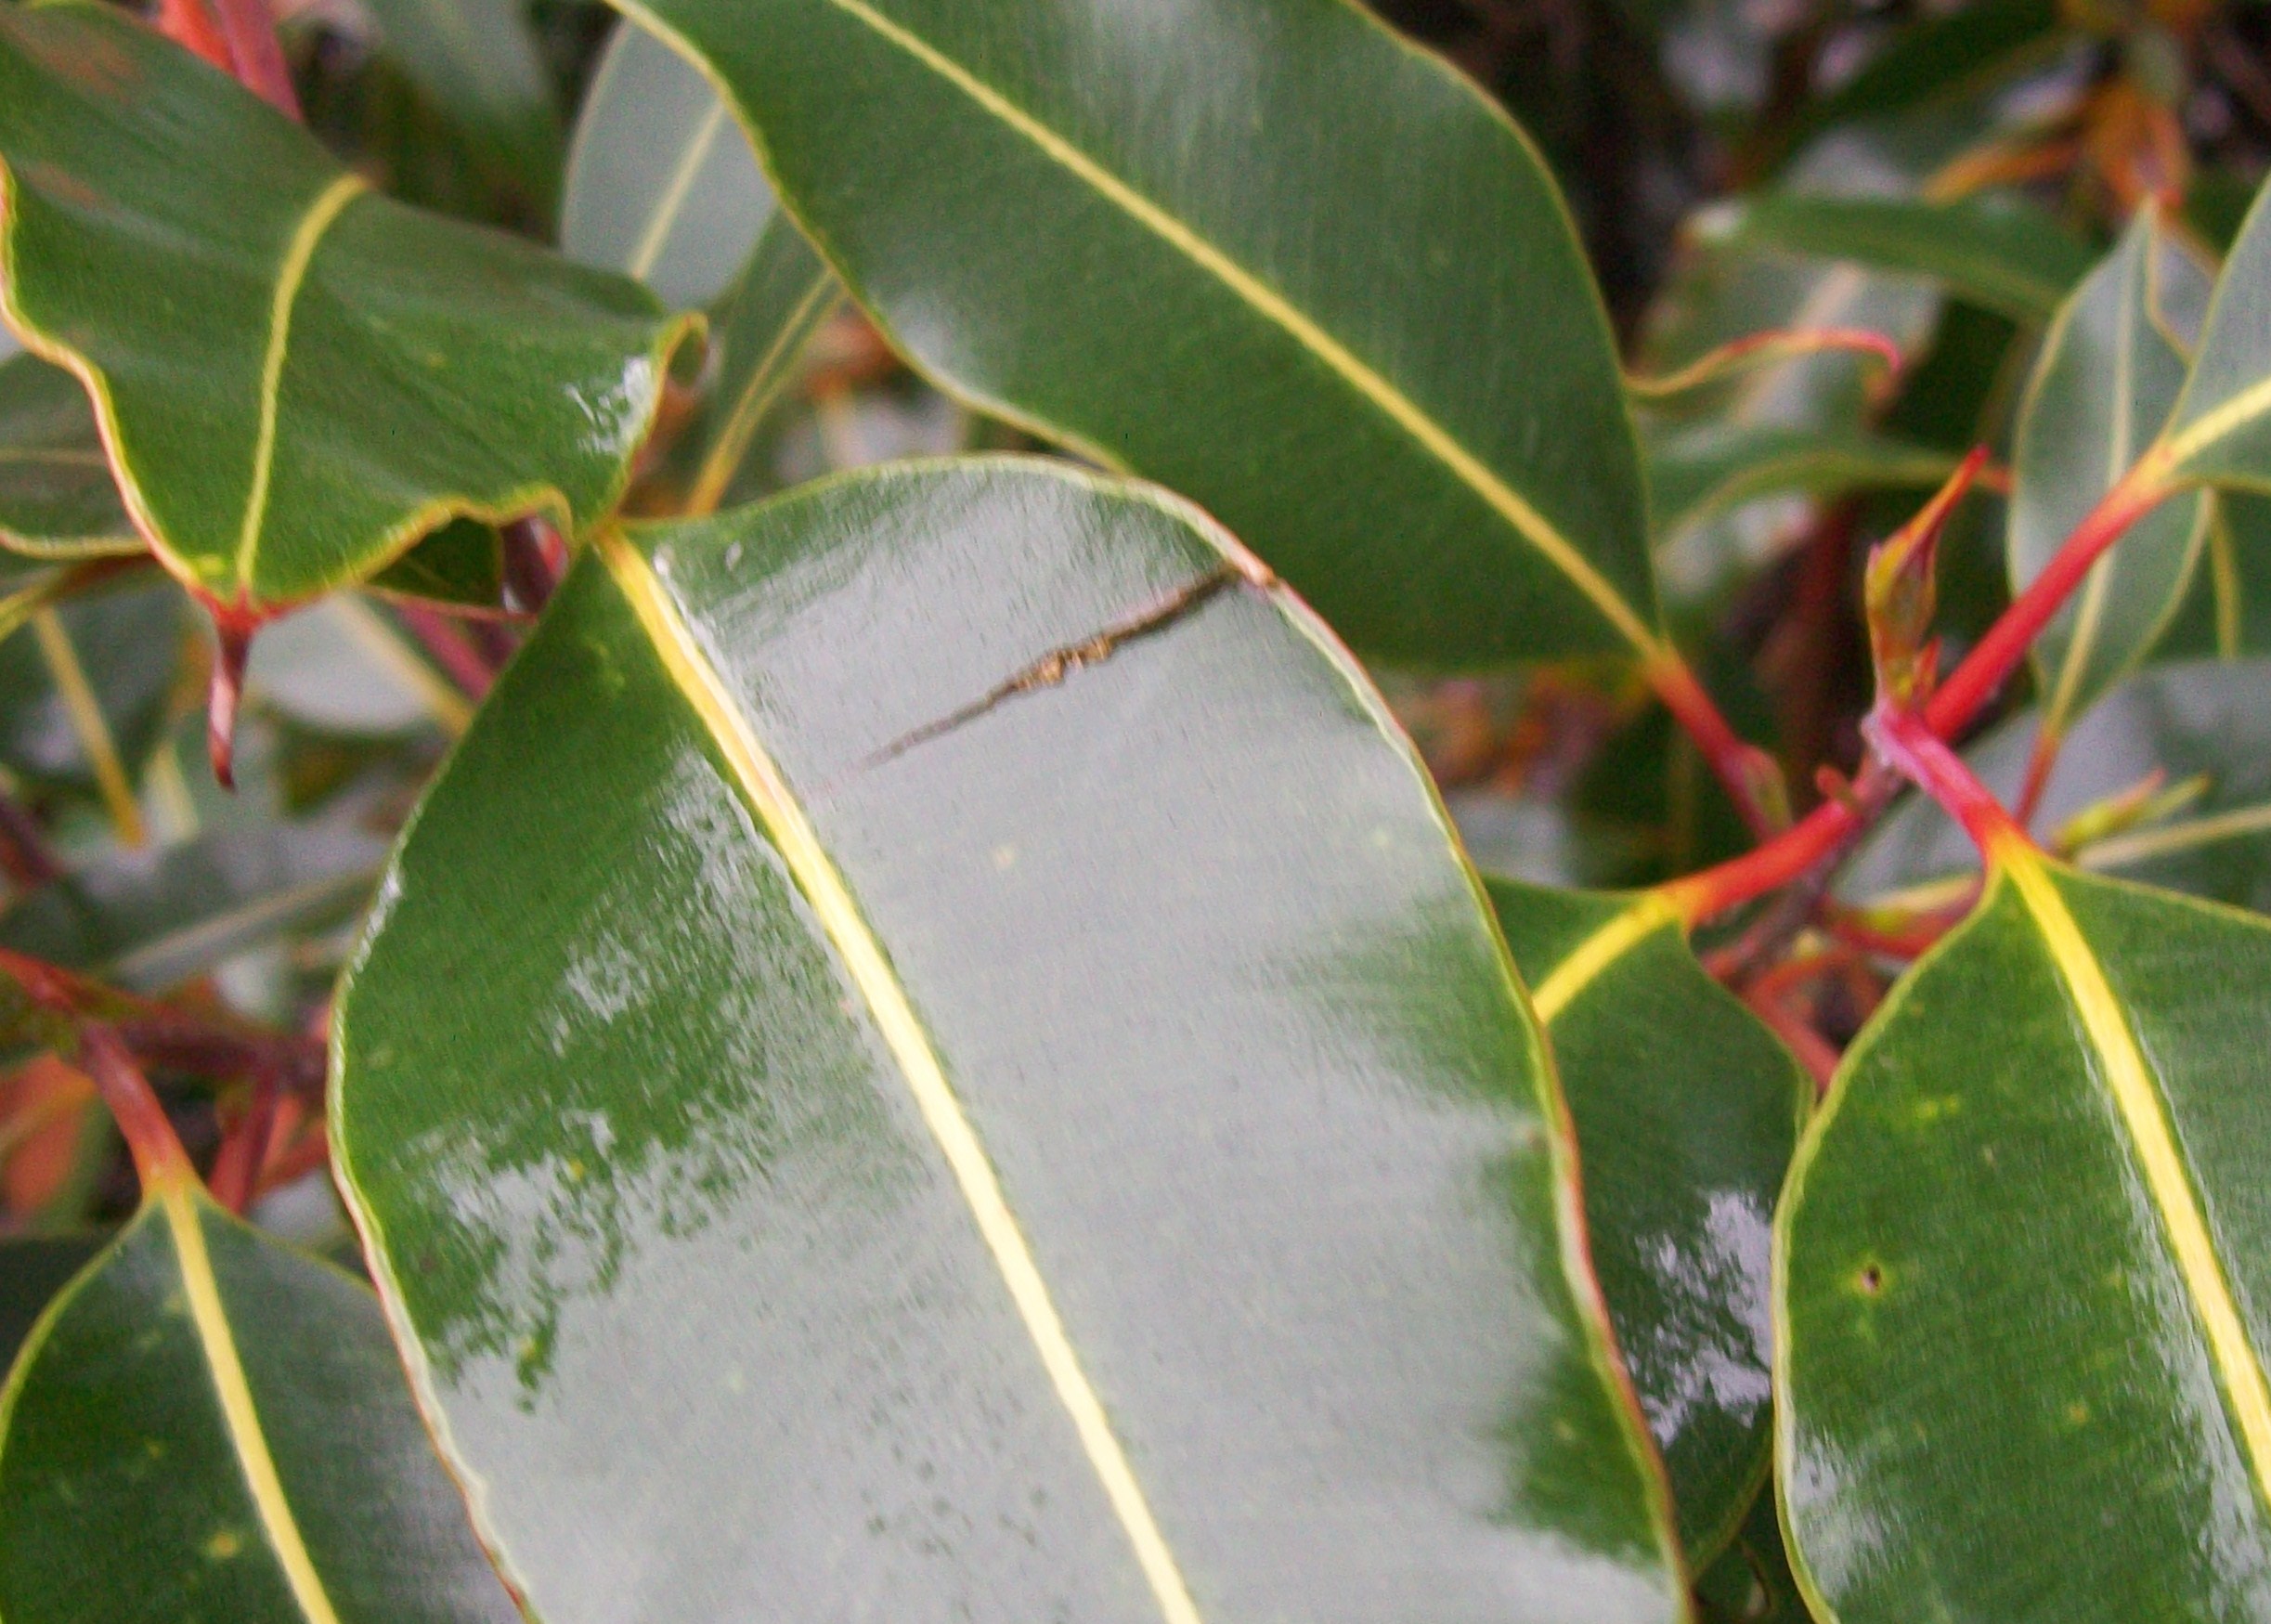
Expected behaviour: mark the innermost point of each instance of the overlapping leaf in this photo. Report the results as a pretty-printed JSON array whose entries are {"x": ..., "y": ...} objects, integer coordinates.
[
  {"x": 1272, "y": 298},
  {"x": 2000, "y": 252},
  {"x": 327, "y": 375},
  {"x": 57, "y": 497},
  {"x": 2110, "y": 367},
  {"x": 1686, "y": 1111},
  {"x": 663, "y": 185},
  {"x": 206, "y": 1424},
  {"x": 950, "y": 1144},
  {"x": 2220, "y": 431},
  {"x": 481, "y": 65},
  {"x": 2021, "y": 1270},
  {"x": 2202, "y": 725}
]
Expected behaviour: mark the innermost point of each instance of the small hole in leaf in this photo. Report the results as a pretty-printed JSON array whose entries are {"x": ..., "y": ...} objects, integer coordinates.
[{"x": 1872, "y": 1279}]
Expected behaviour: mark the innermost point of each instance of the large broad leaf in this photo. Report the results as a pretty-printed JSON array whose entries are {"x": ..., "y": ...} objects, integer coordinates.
[
  {"x": 1935, "y": 59},
  {"x": 2203, "y": 723},
  {"x": 2110, "y": 367},
  {"x": 1686, "y": 1111},
  {"x": 208, "y": 1425},
  {"x": 480, "y": 63},
  {"x": 57, "y": 497},
  {"x": 944, "y": 1141},
  {"x": 2221, "y": 432},
  {"x": 2022, "y": 1272},
  {"x": 1196, "y": 250},
  {"x": 329, "y": 375},
  {"x": 2006, "y": 254}
]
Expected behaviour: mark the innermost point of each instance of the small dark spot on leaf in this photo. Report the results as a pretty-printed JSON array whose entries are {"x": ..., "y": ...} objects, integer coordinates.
[{"x": 1872, "y": 1279}]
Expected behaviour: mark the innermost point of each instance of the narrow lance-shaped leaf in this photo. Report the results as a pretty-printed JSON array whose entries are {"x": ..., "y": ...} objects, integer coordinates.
[
  {"x": 950, "y": 1143},
  {"x": 2006, "y": 255},
  {"x": 1200, "y": 252},
  {"x": 663, "y": 185},
  {"x": 1686, "y": 1109},
  {"x": 1700, "y": 470},
  {"x": 329, "y": 375},
  {"x": 207, "y": 1424},
  {"x": 2111, "y": 369},
  {"x": 2220, "y": 431},
  {"x": 2023, "y": 1270}
]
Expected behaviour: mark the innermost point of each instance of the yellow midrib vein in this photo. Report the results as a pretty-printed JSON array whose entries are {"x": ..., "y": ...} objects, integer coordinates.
[
  {"x": 1597, "y": 952},
  {"x": 1508, "y": 504},
  {"x": 756, "y": 396},
  {"x": 673, "y": 200},
  {"x": 238, "y": 1414},
  {"x": 800, "y": 845},
  {"x": 2139, "y": 1098},
  {"x": 298, "y": 252}
]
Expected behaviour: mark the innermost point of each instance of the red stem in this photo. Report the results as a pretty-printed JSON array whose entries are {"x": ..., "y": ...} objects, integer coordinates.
[
  {"x": 451, "y": 650},
  {"x": 1924, "y": 759},
  {"x": 249, "y": 28},
  {"x": 1952, "y": 708},
  {"x": 157, "y": 1155},
  {"x": 1741, "y": 767},
  {"x": 187, "y": 23}
]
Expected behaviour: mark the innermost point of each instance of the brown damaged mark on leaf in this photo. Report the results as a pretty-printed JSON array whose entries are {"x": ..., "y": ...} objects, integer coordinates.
[{"x": 1053, "y": 668}]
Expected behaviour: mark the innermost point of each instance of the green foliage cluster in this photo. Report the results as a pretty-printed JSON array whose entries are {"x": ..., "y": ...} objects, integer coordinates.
[{"x": 1151, "y": 810}]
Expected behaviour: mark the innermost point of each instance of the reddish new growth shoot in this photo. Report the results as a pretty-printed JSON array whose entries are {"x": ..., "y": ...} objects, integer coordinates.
[
  {"x": 232, "y": 650},
  {"x": 1922, "y": 758},
  {"x": 157, "y": 1155},
  {"x": 1952, "y": 708},
  {"x": 1752, "y": 777},
  {"x": 187, "y": 23}
]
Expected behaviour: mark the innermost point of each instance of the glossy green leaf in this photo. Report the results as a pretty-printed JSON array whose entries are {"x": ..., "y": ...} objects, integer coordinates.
[
  {"x": 2006, "y": 255},
  {"x": 2228, "y": 611},
  {"x": 662, "y": 183},
  {"x": 33, "y": 1270},
  {"x": 955, "y": 1143},
  {"x": 1686, "y": 1111},
  {"x": 2110, "y": 367},
  {"x": 209, "y": 1425},
  {"x": 2221, "y": 430},
  {"x": 1700, "y": 471},
  {"x": 2195, "y": 722},
  {"x": 330, "y": 375},
  {"x": 479, "y": 62},
  {"x": 150, "y": 920},
  {"x": 57, "y": 497},
  {"x": 782, "y": 300},
  {"x": 2021, "y": 1274},
  {"x": 1255, "y": 255}
]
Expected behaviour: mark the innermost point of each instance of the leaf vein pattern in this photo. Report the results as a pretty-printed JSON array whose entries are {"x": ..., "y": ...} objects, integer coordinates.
[
  {"x": 800, "y": 848},
  {"x": 298, "y": 254},
  {"x": 1592, "y": 956},
  {"x": 243, "y": 1419},
  {"x": 1432, "y": 435},
  {"x": 2137, "y": 1095}
]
